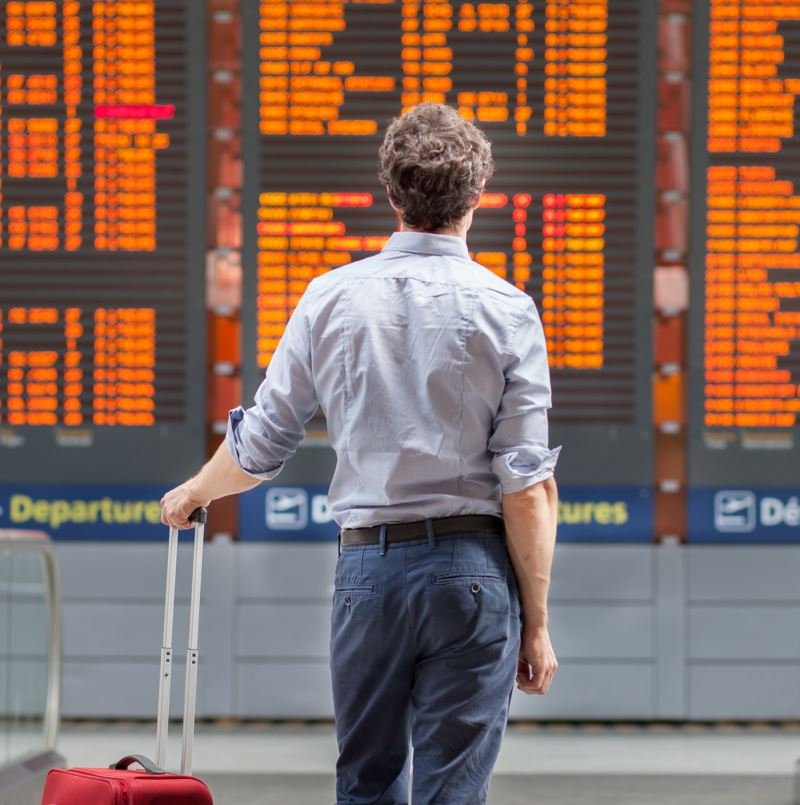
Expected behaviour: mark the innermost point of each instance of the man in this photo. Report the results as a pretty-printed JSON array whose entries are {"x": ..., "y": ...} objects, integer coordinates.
[{"x": 432, "y": 375}]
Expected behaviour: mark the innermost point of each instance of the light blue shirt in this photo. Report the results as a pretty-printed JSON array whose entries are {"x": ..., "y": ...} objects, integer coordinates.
[{"x": 432, "y": 374}]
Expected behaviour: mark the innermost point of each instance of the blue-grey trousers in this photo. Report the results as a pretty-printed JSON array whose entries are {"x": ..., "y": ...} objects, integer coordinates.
[{"x": 424, "y": 644}]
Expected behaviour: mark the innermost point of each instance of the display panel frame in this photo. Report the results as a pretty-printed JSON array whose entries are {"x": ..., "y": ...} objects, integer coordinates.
[
  {"x": 166, "y": 451},
  {"x": 592, "y": 451},
  {"x": 717, "y": 458}
]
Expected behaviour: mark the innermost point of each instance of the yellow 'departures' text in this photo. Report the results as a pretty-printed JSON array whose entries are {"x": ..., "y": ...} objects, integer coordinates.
[
  {"x": 24, "y": 510},
  {"x": 593, "y": 512}
]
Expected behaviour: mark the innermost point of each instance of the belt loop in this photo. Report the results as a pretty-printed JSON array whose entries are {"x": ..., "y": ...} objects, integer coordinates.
[
  {"x": 382, "y": 540},
  {"x": 430, "y": 532},
  {"x": 339, "y": 543}
]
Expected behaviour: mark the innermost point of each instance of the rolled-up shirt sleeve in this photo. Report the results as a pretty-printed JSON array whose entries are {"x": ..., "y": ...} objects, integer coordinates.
[
  {"x": 519, "y": 440},
  {"x": 263, "y": 437}
]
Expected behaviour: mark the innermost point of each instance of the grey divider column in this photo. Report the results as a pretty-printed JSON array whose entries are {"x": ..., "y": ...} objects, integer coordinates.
[
  {"x": 671, "y": 631},
  {"x": 217, "y": 624}
]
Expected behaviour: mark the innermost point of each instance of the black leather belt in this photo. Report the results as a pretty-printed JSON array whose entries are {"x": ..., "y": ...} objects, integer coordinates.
[{"x": 442, "y": 526}]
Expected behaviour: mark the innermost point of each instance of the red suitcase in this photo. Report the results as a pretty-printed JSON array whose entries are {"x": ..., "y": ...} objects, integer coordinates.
[{"x": 150, "y": 785}]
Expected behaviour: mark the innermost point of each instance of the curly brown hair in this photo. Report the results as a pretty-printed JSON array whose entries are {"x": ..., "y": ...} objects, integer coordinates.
[{"x": 433, "y": 164}]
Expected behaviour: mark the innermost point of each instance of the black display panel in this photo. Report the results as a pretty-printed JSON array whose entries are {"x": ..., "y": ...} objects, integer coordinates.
[
  {"x": 745, "y": 264},
  {"x": 564, "y": 89},
  {"x": 102, "y": 130}
]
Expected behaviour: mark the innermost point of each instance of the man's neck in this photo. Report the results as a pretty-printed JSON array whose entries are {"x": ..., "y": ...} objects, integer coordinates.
[{"x": 452, "y": 231}]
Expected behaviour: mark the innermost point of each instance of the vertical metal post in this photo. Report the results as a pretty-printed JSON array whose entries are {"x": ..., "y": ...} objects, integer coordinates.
[
  {"x": 165, "y": 677},
  {"x": 192, "y": 654},
  {"x": 52, "y": 714}
]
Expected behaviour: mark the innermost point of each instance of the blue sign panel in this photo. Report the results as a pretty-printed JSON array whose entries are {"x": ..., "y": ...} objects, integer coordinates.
[
  {"x": 81, "y": 512},
  {"x": 763, "y": 515},
  {"x": 586, "y": 514},
  {"x": 283, "y": 513}
]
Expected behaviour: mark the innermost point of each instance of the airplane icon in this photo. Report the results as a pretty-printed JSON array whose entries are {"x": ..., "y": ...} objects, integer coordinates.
[
  {"x": 286, "y": 508},
  {"x": 734, "y": 510}
]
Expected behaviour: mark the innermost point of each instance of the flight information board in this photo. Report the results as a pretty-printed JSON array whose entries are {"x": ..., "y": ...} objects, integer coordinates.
[
  {"x": 564, "y": 89},
  {"x": 102, "y": 192},
  {"x": 745, "y": 266}
]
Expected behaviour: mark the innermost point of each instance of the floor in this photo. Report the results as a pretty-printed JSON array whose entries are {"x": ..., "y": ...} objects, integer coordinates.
[
  {"x": 528, "y": 790},
  {"x": 291, "y": 764}
]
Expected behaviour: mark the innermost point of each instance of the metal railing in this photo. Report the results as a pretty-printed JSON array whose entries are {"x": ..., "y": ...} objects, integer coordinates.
[{"x": 30, "y": 663}]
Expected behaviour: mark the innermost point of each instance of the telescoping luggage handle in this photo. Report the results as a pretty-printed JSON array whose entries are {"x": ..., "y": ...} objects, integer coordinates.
[{"x": 199, "y": 518}]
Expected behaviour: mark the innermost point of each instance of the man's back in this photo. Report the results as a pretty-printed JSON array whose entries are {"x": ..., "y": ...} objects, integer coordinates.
[{"x": 409, "y": 350}]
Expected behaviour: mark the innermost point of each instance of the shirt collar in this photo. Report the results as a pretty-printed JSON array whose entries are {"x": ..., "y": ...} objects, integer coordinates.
[{"x": 427, "y": 243}]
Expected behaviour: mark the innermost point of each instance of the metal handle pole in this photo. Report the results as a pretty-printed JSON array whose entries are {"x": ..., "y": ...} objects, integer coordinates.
[
  {"x": 165, "y": 677},
  {"x": 192, "y": 654}
]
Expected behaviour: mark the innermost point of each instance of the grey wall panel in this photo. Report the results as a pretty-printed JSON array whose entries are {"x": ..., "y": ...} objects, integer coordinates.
[
  {"x": 283, "y": 630},
  {"x": 743, "y": 608},
  {"x": 23, "y": 687},
  {"x": 27, "y": 573},
  {"x": 602, "y": 631},
  {"x": 744, "y": 633},
  {"x": 593, "y": 691},
  {"x": 283, "y": 690},
  {"x": 641, "y": 631},
  {"x": 735, "y": 691},
  {"x": 125, "y": 689},
  {"x": 271, "y": 603},
  {"x": 283, "y": 571},
  {"x": 115, "y": 571},
  {"x": 24, "y": 628},
  {"x": 736, "y": 574},
  {"x": 132, "y": 629},
  {"x": 113, "y": 598},
  {"x": 125, "y": 629},
  {"x": 105, "y": 688},
  {"x": 603, "y": 572}
]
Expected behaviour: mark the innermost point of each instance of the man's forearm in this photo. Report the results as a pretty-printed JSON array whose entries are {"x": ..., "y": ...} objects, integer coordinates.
[
  {"x": 530, "y": 519},
  {"x": 220, "y": 476}
]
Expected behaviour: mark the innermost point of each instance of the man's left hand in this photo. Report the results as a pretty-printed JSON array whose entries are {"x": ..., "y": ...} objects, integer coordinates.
[
  {"x": 179, "y": 503},
  {"x": 537, "y": 661}
]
